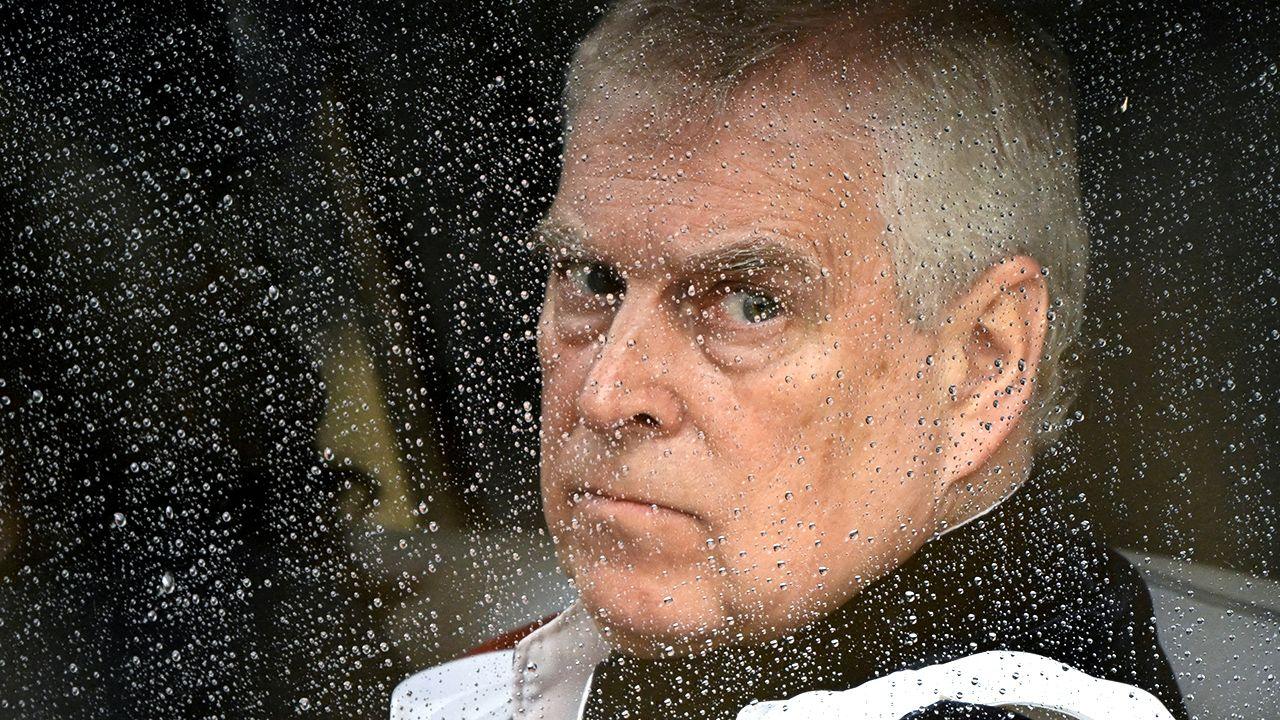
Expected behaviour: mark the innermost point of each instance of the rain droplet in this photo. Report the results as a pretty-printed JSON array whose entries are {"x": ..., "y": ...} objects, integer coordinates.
[
  {"x": 167, "y": 583},
  {"x": 273, "y": 292},
  {"x": 118, "y": 520},
  {"x": 37, "y": 397}
]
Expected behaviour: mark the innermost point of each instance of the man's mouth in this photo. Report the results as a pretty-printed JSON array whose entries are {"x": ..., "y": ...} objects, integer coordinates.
[{"x": 620, "y": 503}]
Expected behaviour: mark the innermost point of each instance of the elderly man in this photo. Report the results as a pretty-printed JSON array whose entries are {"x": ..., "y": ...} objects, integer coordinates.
[{"x": 814, "y": 272}]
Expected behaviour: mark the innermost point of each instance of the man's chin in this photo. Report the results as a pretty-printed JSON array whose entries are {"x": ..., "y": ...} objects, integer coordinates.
[{"x": 650, "y": 618}]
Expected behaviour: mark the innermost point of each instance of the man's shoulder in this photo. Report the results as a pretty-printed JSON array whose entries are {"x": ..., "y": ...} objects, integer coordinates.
[
  {"x": 509, "y": 639},
  {"x": 474, "y": 687}
]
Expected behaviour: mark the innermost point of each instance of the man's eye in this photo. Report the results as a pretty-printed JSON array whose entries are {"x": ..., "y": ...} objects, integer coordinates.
[
  {"x": 751, "y": 306},
  {"x": 595, "y": 279}
]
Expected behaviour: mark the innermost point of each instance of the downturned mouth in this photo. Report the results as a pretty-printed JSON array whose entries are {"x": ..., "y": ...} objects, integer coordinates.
[{"x": 592, "y": 495}]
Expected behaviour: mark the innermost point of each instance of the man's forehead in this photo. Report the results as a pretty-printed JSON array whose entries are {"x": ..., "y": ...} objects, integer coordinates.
[
  {"x": 763, "y": 124},
  {"x": 776, "y": 164},
  {"x": 631, "y": 214}
]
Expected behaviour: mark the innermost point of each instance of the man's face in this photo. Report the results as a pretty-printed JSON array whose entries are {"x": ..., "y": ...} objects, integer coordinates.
[{"x": 735, "y": 428}]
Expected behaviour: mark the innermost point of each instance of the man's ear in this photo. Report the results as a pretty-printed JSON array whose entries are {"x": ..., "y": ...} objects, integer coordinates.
[{"x": 991, "y": 347}]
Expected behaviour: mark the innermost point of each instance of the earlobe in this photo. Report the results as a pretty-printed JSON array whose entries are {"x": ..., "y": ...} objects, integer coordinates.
[{"x": 994, "y": 339}]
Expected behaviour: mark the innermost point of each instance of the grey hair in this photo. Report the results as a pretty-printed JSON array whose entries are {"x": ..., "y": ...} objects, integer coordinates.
[{"x": 974, "y": 113}]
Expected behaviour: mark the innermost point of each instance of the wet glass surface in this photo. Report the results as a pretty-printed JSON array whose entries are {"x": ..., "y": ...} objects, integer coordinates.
[{"x": 272, "y": 413}]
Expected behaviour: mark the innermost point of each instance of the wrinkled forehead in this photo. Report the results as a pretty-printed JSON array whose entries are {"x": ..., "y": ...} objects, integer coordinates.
[{"x": 776, "y": 157}]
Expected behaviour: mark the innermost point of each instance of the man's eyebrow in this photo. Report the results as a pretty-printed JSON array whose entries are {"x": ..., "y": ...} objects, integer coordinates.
[
  {"x": 558, "y": 239},
  {"x": 754, "y": 253},
  {"x": 757, "y": 252}
]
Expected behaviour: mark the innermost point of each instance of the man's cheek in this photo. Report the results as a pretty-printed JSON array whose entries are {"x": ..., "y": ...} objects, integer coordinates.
[
  {"x": 559, "y": 409},
  {"x": 565, "y": 371}
]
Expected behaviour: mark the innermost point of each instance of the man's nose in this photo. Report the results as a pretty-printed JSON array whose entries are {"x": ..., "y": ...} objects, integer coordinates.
[{"x": 628, "y": 387}]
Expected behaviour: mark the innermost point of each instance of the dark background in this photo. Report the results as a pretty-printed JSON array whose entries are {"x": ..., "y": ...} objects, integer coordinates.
[{"x": 264, "y": 294}]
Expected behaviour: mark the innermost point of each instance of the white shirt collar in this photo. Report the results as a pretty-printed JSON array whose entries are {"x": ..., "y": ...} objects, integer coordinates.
[{"x": 554, "y": 666}]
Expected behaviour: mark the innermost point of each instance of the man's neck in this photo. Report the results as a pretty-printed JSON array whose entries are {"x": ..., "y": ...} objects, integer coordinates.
[{"x": 979, "y": 493}]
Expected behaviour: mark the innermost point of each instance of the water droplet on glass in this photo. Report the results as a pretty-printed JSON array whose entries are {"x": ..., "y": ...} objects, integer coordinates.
[
  {"x": 167, "y": 583},
  {"x": 118, "y": 520}
]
